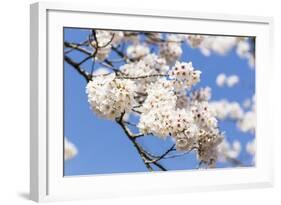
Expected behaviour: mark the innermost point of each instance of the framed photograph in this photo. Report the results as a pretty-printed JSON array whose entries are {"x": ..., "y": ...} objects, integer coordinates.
[{"x": 130, "y": 102}]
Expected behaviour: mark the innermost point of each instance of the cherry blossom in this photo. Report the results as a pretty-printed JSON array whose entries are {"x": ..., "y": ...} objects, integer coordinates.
[
  {"x": 251, "y": 149},
  {"x": 184, "y": 75},
  {"x": 109, "y": 96},
  {"x": 151, "y": 81},
  {"x": 228, "y": 150},
  {"x": 70, "y": 150},
  {"x": 229, "y": 81},
  {"x": 171, "y": 50},
  {"x": 137, "y": 51}
]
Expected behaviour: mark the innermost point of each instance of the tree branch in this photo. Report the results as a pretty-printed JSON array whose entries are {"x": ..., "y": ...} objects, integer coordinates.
[
  {"x": 234, "y": 161},
  {"x": 122, "y": 55},
  {"x": 74, "y": 46},
  {"x": 77, "y": 67},
  {"x": 128, "y": 133},
  {"x": 143, "y": 76},
  {"x": 144, "y": 156},
  {"x": 165, "y": 153}
]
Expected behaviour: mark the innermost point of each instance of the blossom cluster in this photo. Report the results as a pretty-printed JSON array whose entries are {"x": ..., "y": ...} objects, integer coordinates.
[
  {"x": 228, "y": 150},
  {"x": 245, "y": 120},
  {"x": 104, "y": 42},
  {"x": 192, "y": 126},
  {"x": 171, "y": 49},
  {"x": 230, "y": 81},
  {"x": 251, "y": 149},
  {"x": 109, "y": 96},
  {"x": 222, "y": 45},
  {"x": 248, "y": 122},
  {"x": 137, "y": 51},
  {"x": 150, "y": 65},
  {"x": 170, "y": 46},
  {"x": 184, "y": 76},
  {"x": 224, "y": 109},
  {"x": 70, "y": 149}
]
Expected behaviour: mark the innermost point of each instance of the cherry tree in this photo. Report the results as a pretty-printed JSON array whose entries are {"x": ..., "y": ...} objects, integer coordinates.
[{"x": 149, "y": 81}]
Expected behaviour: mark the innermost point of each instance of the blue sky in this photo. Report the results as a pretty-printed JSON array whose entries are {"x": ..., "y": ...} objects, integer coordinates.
[{"x": 103, "y": 147}]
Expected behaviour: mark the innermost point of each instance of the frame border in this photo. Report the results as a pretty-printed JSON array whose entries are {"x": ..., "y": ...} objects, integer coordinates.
[{"x": 39, "y": 188}]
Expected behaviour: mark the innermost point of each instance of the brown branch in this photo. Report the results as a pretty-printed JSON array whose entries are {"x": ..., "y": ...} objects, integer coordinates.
[
  {"x": 128, "y": 133},
  {"x": 93, "y": 55},
  {"x": 130, "y": 123},
  {"x": 122, "y": 55},
  {"x": 234, "y": 161},
  {"x": 161, "y": 167},
  {"x": 144, "y": 156},
  {"x": 107, "y": 44},
  {"x": 143, "y": 76},
  {"x": 74, "y": 46},
  {"x": 77, "y": 47},
  {"x": 77, "y": 67},
  {"x": 179, "y": 155},
  {"x": 107, "y": 63},
  {"x": 136, "y": 111},
  {"x": 97, "y": 47},
  {"x": 165, "y": 153}
]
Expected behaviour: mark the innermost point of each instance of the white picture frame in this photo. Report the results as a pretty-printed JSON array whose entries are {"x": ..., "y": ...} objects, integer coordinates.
[{"x": 46, "y": 151}]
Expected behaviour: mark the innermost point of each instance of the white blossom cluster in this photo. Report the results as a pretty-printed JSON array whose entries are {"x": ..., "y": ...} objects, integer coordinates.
[
  {"x": 224, "y": 109},
  {"x": 184, "y": 76},
  {"x": 244, "y": 51},
  {"x": 137, "y": 51},
  {"x": 131, "y": 36},
  {"x": 251, "y": 149},
  {"x": 104, "y": 42},
  {"x": 70, "y": 150},
  {"x": 230, "y": 81},
  {"x": 246, "y": 120},
  {"x": 191, "y": 126},
  {"x": 155, "y": 117},
  {"x": 149, "y": 65},
  {"x": 222, "y": 45},
  {"x": 184, "y": 130},
  {"x": 194, "y": 40},
  {"x": 208, "y": 44},
  {"x": 109, "y": 96},
  {"x": 204, "y": 117},
  {"x": 171, "y": 49},
  {"x": 228, "y": 150},
  {"x": 202, "y": 94}
]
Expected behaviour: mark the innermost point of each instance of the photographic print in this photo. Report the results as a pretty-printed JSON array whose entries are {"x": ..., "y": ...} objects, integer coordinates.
[{"x": 142, "y": 101}]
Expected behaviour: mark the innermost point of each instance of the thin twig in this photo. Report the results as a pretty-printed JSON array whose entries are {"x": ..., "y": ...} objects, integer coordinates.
[
  {"x": 143, "y": 76},
  {"x": 235, "y": 161},
  {"x": 122, "y": 55},
  {"x": 74, "y": 46},
  {"x": 165, "y": 153}
]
